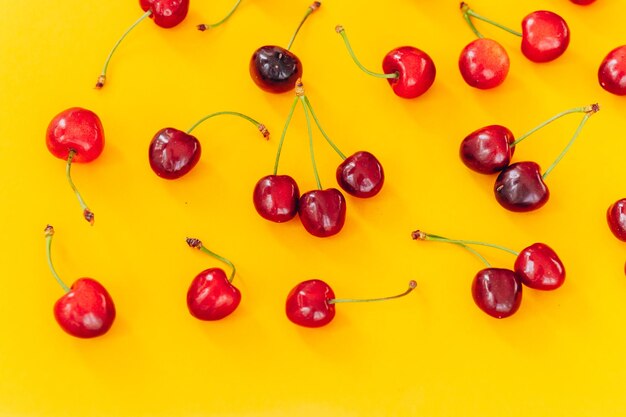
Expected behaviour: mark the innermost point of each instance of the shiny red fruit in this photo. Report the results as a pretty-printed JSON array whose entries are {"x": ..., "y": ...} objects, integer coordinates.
[
  {"x": 612, "y": 71},
  {"x": 75, "y": 129},
  {"x": 488, "y": 150},
  {"x": 173, "y": 153},
  {"x": 308, "y": 304},
  {"x": 276, "y": 198},
  {"x": 86, "y": 311},
  {"x": 415, "y": 68},
  {"x": 275, "y": 69},
  {"x": 520, "y": 187},
  {"x": 211, "y": 296},
  {"x": 497, "y": 292},
  {"x": 166, "y": 13},
  {"x": 322, "y": 212},
  {"x": 361, "y": 175},
  {"x": 484, "y": 63},
  {"x": 539, "y": 267},
  {"x": 582, "y": 2},
  {"x": 545, "y": 36},
  {"x": 616, "y": 218}
]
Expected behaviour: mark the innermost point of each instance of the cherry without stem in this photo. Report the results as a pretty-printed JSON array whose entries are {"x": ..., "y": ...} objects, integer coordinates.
[
  {"x": 616, "y": 218},
  {"x": 612, "y": 71}
]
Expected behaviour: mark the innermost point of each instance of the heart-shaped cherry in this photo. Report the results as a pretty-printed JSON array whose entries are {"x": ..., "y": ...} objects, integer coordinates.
[
  {"x": 276, "y": 198},
  {"x": 76, "y": 135},
  {"x": 275, "y": 69},
  {"x": 409, "y": 71},
  {"x": 173, "y": 153},
  {"x": 86, "y": 310},
  {"x": 312, "y": 303},
  {"x": 612, "y": 71},
  {"x": 539, "y": 267},
  {"x": 322, "y": 212},
  {"x": 212, "y": 296},
  {"x": 497, "y": 292},
  {"x": 616, "y": 218}
]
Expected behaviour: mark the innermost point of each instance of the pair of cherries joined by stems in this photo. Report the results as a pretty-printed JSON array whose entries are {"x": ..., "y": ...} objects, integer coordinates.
[
  {"x": 498, "y": 291},
  {"x": 322, "y": 212},
  {"x": 519, "y": 186},
  {"x": 484, "y": 63}
]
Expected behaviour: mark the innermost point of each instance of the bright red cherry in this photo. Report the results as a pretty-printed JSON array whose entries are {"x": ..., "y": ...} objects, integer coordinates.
[
  {"x": 612, "y": 71},
  {"x": 582, "y": 2},
  {"x": 497, "y": 292},
  {"x": 276, "y": 198},
  {"x": 545, "y": 36},
  {"x": 616, "y": 218},
  {"x": 520, "y": 187},
  {"x": 86, "y": 310},
  {"x": 539, "y": 267},
  {"x": 488, "y": 150},
  {"x": 322, "y": 212},
  {"x": 484, "y": 64},
  {"x": 361, "y": 175}
]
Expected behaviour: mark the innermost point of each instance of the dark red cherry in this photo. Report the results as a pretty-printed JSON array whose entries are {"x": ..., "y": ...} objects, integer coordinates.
[
  {"x": 276, "y": 198},
  {"x": 173, "y": 153},
  {"x": 616, "y": 218},
  {"x": 545, "y": 36},
  {"x": 75, "y": 129},
  {"x": 322, "y": 212},
  {"x": 275, "y": 69},
  {"x": 520, "y": 187},
  {"x": 308, "y": 304},
  {"x": 211, "y": 296},
  {"x": 166, "y": 13},
  {"x": 488, "y": 150},
  {"x": 582, "y": 2},
  {"x": 539, "y": 267},
  {"x": 612, "y": 71},
  {"x": 497, "y": 292},
  {"x": 415, "y": 68},
  {"x": 484, "y": 63},
  {"x": 361, "y": 175}
]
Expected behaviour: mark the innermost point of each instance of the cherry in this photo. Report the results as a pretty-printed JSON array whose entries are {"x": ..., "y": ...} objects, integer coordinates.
[
  {"x": 409, "y": 71},
  {"x": 616, "y": 218},
  {"x": 275, "y": 69},
  {"x": 582, "y": 2},
  {"x": 86, "y": 310},
  {"x": 539, "y": 267},
  {"x": 484, "y": 64},
  {"x": 173, "y": 153},
  {"x": 76, "y": 135},
  {"x": 312, "y": 303},
  {"x": 276, "y": 198},
  {"x": 212, "y": 296},
  {"x": 361, "y": 175},
  {"x": 497, "y": 292},
  {"x": 488, "y": 150},
  {"x": 322, "y": 212},
  {"x": 612, "y": 71}
]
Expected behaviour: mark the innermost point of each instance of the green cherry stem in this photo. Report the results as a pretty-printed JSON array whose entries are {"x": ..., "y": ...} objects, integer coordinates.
[
  {"x": 197, "y": 244},
  {"x": 311, "y": 150},
  {"x": 584, "y": 109},
  {"x": 260, "y": 126},
  {"x": 103, "y": 75},
  {"x": 87, "y": 214},
  {"x": 49, "y": 232},
  {"x": 467, "y": 12},
  {"x": 412, "y": 286},
  {"x": 313, "y": 7},
  {"x": 282, "y": 136},
  {"x": 341, "y": 31},
  {"x": 204, "y": 26},
  {"x": 464, "y": 9},
  {"x": 319, "y": 126}
]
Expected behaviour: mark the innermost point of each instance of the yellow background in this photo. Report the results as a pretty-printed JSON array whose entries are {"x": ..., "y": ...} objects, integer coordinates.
[{"x": 433, "y": 353}]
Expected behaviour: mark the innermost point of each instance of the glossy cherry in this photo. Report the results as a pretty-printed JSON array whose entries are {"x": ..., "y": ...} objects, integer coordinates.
[
  {"x": 497, "y": 292},
  {"x": 612, "y": 71},
  {"x": 583, "y": 2},
  {"x": 276, "y": 198},
  {"x": 86, "y": 310},
  {"x": 488, "y": 150},
  {"x": 545, "y": 36},
  {"x": 312, "y": 303},
  {"x": 322, "y": 212},
  {"x": 361, "y": 175},
  {"x": 520, "y": 187},
  {"x": 484, "y": 64},
  {"x": 616, "y": 218},
  {"x": 539, "y": 267}
]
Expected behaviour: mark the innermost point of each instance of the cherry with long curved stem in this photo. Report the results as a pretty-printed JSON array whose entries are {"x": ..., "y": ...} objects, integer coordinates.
[
  {"x": 197, "y": 244},
  {"x": 205, "y": 26},
  {"x": 341, "y": 31}
]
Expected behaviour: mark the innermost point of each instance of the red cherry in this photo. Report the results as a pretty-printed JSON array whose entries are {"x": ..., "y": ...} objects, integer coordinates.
[
  {"x": 484, "y": 64},
  {"x": 166, "y": 13},
  {"x": 582, "y": 2},
  {"x": 173, "y": 153},
  {"x": 545, "y": 36},
  {"x": 520, "y": 187},
  {"x": 612, "y": 71},
  {"x": 616, "y": 218},
  {"x": 276, "y": 198},
  {"x": 539, "y": 267},
  {"x": 488, "y": 150},
  {"x": 322, "y": 212},
  {"x": 361, "y": 175},
  {"x": 497, "y": 292}
]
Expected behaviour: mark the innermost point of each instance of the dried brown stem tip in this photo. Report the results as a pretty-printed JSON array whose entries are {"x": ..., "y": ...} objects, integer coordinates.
[
  {"x": 418, "y": 235},
  {"x": 89, "y": 216},
  {"x": 299, "y": 88},
  {"x": 101, "y": 80},
  {"x": 316, "y": 5},
  {"x": 49, "y": 230},
  {"x": 339, "y": 29},
  {"x": 593, "y": 108},
  {"x": 264, "y": 131},
  {"x": 202, "y": 27},
  {"x": 194, "y": 243},
  {"x": 463, "y": 6},
  {"x": 412, "y": 284}
]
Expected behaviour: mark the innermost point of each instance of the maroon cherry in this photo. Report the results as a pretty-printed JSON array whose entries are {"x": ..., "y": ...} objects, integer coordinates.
[
  {"x": 582, "y": 2},
  {"x": 312, "y": 303},
  {"x": 76, "y": 135},
  {"x": 361, "y": 175},
  {"x": 86, "y": 310},
  {"x": 616, "y": 218},
  {"x": 539, "y": 267},
  {"x": 488, "y": 150},
  {"x": 212, "y": 296},
  {"x": 520, "y": 187},
  {"x": 497, "y": 292},
  {"x": 484, "y": 64},
  {"x": 173, "y": 153},
  {"x": 275, "y": 69},
  {"x": 322, "y": 212},
  {"x": 409, "y": 71},
  {"x": 276, "y": 198},
  {"x": 612, "y": 71}
]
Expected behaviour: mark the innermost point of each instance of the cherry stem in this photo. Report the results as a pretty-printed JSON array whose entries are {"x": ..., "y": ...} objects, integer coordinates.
[
  {"x": 467, "y": 12},
  {"x": 319, "y": 126},
  {"x": 202, "y": 27},
  {"x": 412, "y": 286},
  {"x": 49, "y": 232},
  {"x": 584, "y": 109},
  {"x": 464, "y": 9},
  {"x": 590, "y": 110},
  {"x": 197, "y": 244},
  {"x": 340, "y": 30},
  {"x": 103, "y": 75},
  {"x": 87, "y": 214},
  {"x": 282, "y": 136},
  {"x": 260, "y": 126},
  {"x": 311, "y": 150},
  {"x": 313, "y": 7}
]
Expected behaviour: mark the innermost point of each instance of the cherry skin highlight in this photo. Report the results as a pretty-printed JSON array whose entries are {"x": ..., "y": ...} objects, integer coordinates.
[
  {"x": 322, "y": 212},
  {"x": 497, "y": 292},
  {"x": 211, "y": 296},
  {"x": 488, "y": 150},
  {"x": 361, "y": 175},
  {"x": 275, "y": 69},
  {"x": 173, "y": 153},
  {"x": 166, "y": 13},
  {"x": 520, "y": 187},
  {"x": 308, "y": 304},
  {"x": 539, "y": 267},
  {"x": 415, "y": 68},
  {"x": 545, "y": 36},
  {"x": 612, "y": 71},
  {"x": 484, "y": 64},
  {"x": 75, "y": 129},
  {"x": 616, "y": 218},
  {"x": 276, "y": 198}
]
